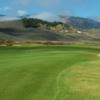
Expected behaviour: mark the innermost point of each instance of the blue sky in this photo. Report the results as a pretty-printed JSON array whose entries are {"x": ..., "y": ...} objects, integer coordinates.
[{"x": 81, "y": 8}]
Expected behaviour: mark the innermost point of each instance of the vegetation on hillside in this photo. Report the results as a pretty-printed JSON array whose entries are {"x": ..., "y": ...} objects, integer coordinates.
[
  {"x": 35, "y": 23},
  {"x": 15, "y": 31}
]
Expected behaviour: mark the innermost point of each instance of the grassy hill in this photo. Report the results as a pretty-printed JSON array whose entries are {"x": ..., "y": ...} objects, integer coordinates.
[
  {"x": 81, "y": 23},
  {"x": 14, "y": 30},
  {"x": 97, "y": 31}
]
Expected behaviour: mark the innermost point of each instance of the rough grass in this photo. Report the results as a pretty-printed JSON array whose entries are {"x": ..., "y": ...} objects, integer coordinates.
[
  {"x": 80, "y": 82},
  {"x": 49, "y": 73}
]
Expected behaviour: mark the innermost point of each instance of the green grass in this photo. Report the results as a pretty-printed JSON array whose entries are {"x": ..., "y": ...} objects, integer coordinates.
[{"x": 50, "y": 72}]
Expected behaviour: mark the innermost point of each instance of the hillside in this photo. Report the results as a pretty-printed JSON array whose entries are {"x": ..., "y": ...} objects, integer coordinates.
[
  {"x": 80, "y": 23},
  {"x": 14, "y": 30},
  {"x": 96, "y": 31}
]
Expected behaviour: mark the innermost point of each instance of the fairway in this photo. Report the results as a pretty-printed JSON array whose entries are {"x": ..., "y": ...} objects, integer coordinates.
[{"x": 70, "y": 72}]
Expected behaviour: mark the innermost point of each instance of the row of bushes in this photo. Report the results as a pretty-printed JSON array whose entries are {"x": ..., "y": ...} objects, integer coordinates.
[
  {"x": 7, "y": 43},
  {"x": 45, "y": 43},
  {"x": 54, "y": 43},
  {"x": 11, "y": 43},
  {"x": 92, "y": 43}
]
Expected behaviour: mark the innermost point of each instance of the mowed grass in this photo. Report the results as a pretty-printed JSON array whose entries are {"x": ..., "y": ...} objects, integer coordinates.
[{"x": 50, "y": 72}]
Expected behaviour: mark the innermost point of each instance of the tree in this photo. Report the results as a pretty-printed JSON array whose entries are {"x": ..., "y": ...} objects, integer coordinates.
[{"x": 35, "y": 23}]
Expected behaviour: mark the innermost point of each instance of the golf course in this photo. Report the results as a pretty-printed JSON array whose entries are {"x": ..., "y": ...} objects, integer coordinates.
[{"x": 50, "y": 72}]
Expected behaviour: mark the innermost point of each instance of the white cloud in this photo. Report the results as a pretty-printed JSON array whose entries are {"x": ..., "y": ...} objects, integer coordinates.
[
  {"x": 46, "y": 16},
  {"x": 97, "y": 18},
  {"x": 66, "y": 12},
  {"x": 20, "y": 12},
  {"x": 5, "y": 8}
]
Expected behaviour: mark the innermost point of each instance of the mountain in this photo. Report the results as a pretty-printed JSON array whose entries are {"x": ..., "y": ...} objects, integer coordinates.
[
  {"x": 15, "y": 31},
  {"x": 77, "y": 22},
  {"x": 80, "y": 23}
]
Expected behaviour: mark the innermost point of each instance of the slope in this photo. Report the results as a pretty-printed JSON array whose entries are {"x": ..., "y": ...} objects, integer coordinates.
[
  {"x": 81, "y": 23},
  {"x": 14, "y": 30}
]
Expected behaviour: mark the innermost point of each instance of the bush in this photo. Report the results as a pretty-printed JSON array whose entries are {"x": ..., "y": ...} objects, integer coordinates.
[
  {"x": 56, "y": 43},
  {"x": 47, "y": 43},
  {"x": 28, "y": 42},
  {"x": 8, "y": 41},
  {"x": 1, "y": 42},
  {"x": 38, "y": 42},
  {"x": 92, "y": 43},
  {"x": 9, "y": 44}
]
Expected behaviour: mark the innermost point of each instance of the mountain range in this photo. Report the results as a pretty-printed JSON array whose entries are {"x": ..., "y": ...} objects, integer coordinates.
[
  {"x": 15, "y": 31},
  {"x": 77, "y": 22}
]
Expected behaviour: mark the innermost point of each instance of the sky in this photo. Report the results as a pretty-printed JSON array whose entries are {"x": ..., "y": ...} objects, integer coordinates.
[{"x": 51, "y": 8}]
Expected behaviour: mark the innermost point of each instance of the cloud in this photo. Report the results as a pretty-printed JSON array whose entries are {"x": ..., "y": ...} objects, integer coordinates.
[
  {"x": 5, "y": 8},
  {"x": 46, "y": 16},
  {"x": 39, "y": 5},
  {"x": 8, "y": 18},
  {"x": 66, "y": 13},
  {"x": 21, "y": 13},
  {"x": 97, "y": 18}
]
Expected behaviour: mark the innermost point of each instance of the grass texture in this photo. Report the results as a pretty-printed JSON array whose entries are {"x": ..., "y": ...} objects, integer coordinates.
[{"x": 50, "y": 72}]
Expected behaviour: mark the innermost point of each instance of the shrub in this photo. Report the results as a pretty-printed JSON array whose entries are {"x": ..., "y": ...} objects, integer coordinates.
[
  {"x": 67, "y": 43},
  {"x": 48, "y": 43},
  {"x": 1, "y": 42},
  {"x": 9, "y": 44},
  {"x": 28, "y": 42},
  {"x": 38, "y": 42},
  {"x": 8, "y": 41},
  {"x": 92, "y": 43},
  {"x": 73, "y": 42},
  {"x": 55, "y": 43}
]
